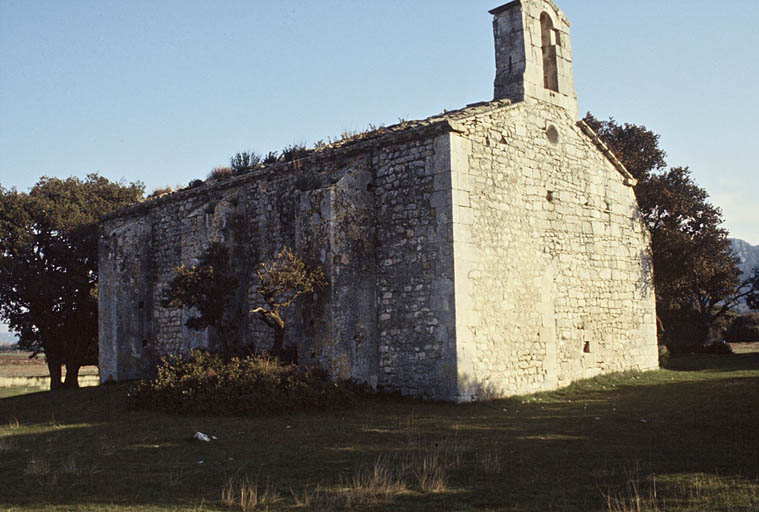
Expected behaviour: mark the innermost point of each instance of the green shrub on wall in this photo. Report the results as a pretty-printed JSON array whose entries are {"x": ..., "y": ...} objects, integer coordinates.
[{"x": 206, "y": 384}]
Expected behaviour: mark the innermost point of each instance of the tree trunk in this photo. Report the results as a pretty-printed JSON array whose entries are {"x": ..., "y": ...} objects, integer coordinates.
[
  {"x": 72, "y": 376},
  {"x": 54, "y": 368},
  {"x": 279, "y": 339}
]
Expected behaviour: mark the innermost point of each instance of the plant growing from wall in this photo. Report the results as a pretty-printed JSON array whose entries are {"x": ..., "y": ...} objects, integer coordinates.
[
  {"x": 209, "y": 287},
  {"x": 244, "y": 161},
  {"x": 282, "y": 281}
]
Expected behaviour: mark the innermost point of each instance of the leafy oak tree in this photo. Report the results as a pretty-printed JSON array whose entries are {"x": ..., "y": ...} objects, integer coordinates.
[
  {"x": 49, "y": 267},
  {"x": 209, "y": 287},
  {"x": 696, "y": 276}
]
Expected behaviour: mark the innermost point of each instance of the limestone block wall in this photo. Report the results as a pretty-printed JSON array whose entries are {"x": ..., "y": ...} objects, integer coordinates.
[
  {"x": 254, "y": 216},
  {"x": 491, "y": 251},
  {"x": 376, "y": 218},
  {"x": 552, "y": 268},
  {"x": 417, "y": 353}
]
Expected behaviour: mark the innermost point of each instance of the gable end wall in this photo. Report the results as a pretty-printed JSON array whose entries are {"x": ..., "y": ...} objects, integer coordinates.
[{"x": 552, "y": 263}]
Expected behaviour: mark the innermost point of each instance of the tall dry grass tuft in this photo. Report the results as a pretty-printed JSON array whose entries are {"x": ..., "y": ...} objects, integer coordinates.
[
  {"x": 220, "y": 172},
  {"x": 377, "y": 484},
  {"x": 631, "y": 500},
  {"x": 247, "y": 495},
  {"x": 430, "y": 473},
  {"x": 307, "y": 496}
]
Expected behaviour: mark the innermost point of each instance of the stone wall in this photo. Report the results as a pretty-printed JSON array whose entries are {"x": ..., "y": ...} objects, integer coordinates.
[
  {"x": 491, "y": 251},
  {"x": 415, "y": 269},
  {"x": 552, "y": 268},
  {"x": 375, "y": 217}
]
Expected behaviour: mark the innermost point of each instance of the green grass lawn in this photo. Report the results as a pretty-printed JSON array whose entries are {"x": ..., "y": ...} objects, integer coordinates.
[{"x": 689, "y": 435}]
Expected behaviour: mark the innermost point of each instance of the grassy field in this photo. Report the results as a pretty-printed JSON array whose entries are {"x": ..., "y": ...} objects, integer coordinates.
[
  {"x": 19, "y": 371},
  {"x": 681, "y": 439}
]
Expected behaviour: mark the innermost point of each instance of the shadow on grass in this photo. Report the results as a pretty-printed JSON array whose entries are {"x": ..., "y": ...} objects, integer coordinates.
[
  {"x": 556, "y": 451},
  {"x": 715, "y": 363}
]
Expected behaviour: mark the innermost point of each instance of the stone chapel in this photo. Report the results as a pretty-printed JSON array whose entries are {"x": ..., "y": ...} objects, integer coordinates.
[{"x": 488, "y": 251}]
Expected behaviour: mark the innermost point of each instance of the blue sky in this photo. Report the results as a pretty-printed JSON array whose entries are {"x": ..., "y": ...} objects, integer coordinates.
[{"x": 162, "y": 91}]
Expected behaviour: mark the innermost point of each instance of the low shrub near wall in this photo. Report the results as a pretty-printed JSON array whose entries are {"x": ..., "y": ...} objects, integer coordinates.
[{"x": 206, "y": 384}]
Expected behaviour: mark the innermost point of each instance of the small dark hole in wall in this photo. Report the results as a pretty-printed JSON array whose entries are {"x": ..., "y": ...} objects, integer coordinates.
[
  {"x": 586, "y": 348},
  {"x": 549, "y": 196},
  {"x": 553, "y": 134},
  {"x": 144, "y": 343},
  {"x": 369, "y": 187},
  {"x": 311, "y": 323},
  {"x": 141, "y": 304}
]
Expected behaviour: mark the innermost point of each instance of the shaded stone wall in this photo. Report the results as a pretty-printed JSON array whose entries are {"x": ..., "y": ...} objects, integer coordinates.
[
  {"x": 377, "y": 221},
  {"x": 553, "y": 274}
]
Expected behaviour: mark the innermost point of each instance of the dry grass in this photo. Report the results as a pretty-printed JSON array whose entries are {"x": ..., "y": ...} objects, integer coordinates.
[
  {"x": 381, "y": 483},
  {"x": 704, "y": 492},
  {"x": 430, "y": 473},
  {"x": 221, "y": 172},
  {"x": 418, "y": 470},
  {"x": 307, "y": 496},
  {"x": 160, "y": 191},
  {"x": 745, "y": 348},
  {"x": 248, "y": 495}
]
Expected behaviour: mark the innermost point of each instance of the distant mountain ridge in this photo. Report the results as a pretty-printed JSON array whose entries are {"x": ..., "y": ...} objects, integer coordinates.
[
  {"x": 747, "y": 254},
  {"x": 748, "y": 257}
]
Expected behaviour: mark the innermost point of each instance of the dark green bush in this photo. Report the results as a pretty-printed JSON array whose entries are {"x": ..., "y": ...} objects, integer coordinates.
[
  {"x": 717, "y": 347},
  {"x": 743, "y": 328},
  {"x": 271, "y": 157},
  {"x": 295, "y": 152},
  {"x": 206, "y": 384},
  {"x": 244, "y": 161}
]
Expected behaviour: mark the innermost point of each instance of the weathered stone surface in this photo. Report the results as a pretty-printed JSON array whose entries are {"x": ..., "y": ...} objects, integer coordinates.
[{"x": 489, "y": 251}]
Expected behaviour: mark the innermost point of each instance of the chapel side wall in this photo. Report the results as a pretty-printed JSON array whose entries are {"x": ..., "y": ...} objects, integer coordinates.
[
  {"x": 311, "y": 208},
  {"x": 417, "y": 354},
  {"x": 552, "y": 261}
]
